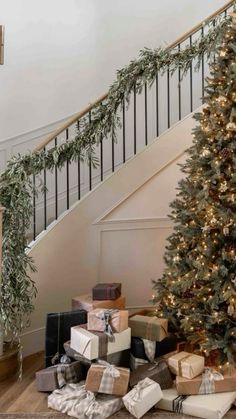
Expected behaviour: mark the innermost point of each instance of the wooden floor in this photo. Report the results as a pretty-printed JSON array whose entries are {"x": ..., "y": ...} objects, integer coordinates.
[{"x": 23, "y": 398}]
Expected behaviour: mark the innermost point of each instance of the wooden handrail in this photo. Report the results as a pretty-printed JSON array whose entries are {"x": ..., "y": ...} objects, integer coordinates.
[{"x": 88, "y": 108}]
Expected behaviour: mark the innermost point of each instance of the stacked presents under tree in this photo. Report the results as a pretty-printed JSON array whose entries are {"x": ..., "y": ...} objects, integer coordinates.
[{"x": 98, "y": 360}]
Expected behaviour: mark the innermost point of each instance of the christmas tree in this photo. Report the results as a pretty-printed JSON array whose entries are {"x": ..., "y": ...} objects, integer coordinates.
[{"x": 197, "y": 291}]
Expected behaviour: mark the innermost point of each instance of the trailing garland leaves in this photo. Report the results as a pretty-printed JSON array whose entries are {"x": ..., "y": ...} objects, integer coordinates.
[{"x": 18, "y": 290}]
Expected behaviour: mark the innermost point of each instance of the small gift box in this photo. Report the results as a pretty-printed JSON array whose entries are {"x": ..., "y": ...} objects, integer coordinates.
[
  {"x": 142, "y": 397},
  {"x": 211, "y": 381},
  {"x": 151, "y": 328},
  {"x": 139, "y": 347},
  {"x": 107, "y": 291},
  {"x": 157, "y": 371},
  {"x": 86, "y": 302},
  {"x": 207, "y": 406},
  {"x": 108, "y": 320},
  {"x": 93, "y": 345},
  {"x": 57, "y": 376},
  {"x": 108, "y": 379},
  {"x": 76, "y": 401},
  {"x": 186, "y": 365}
]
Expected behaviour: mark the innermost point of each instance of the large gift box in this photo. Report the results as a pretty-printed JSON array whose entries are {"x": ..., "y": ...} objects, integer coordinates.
[
  {"x": 93, "y": 345},
  {"x": 76, "y": 401},
  {"x": 108, "y": 320},
  {"x": 151, "y": 328},
  {"x": 207, "y": 406},
  {"x": 211, "y": 381},
  {"x": 106, "y": 291},
  {"x": 58, "y": 327},
  {"x": 186, "y": 365},
  {"x": 158, "y": 372},
  {"x": 120, "y": 359},
  {"x": 87, "y": 303},
  {"x": 58, "y": 375},
  {"x": 142, "y": 397},
  {"x": 108, "y": 379},
  {"x": 139, "y": 347}
]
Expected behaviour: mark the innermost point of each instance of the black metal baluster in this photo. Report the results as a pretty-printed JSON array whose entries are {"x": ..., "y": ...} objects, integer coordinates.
[
  {"x": 135, "y": 129},
  {"x": 203, "y": 70},
  {"x": 179, "y": 87},
  {"x": 78, "y": 168},
  {"x": 145, "y": 108},
  {"x": 191, "y": 78},
  {"x": 45, "y": 195},
  {"x": 34, "y": 208},
  {"x": 56, "y": 187},
  {"x": 67, "y": 176},
  {"x": 157, "y": 105},
  {"x": 168, "y": 98},
  {"x": 124, "y": 157},
  {"x": 101, "y": 159},
  {"x": 112, "y": 153},
  {"x": 90, "y": 161}
]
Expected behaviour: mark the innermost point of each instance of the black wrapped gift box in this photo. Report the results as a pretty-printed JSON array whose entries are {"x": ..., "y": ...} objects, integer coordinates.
[
  {"x": 58, "y": 327},
  {"x": 169, "y": 344}
]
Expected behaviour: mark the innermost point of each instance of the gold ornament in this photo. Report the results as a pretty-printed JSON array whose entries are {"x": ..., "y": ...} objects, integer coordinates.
[{"x": 223, "y": 186}]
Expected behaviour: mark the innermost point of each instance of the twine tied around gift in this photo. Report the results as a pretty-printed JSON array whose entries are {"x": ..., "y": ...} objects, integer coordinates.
[
  {"x": 177, "y": 404},
  {"x": 180, "y": 364},
  {"x": 150, "y": 326},
  {"x": 135, "y": 394},
  {"x": 109, "y": 375},
  {"x": 106, "y": 317},
  {"x": 209, "y": 376}
]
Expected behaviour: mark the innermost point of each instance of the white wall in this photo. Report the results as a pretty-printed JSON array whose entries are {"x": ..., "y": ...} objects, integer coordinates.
[{"x": 62, "y": 54}]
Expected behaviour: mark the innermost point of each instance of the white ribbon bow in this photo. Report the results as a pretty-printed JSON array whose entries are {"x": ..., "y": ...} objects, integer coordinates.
[
  {"x": 209, "y": 376},
  {"x": 110, "y": 369},
  {"x": 105, "y": 316},
  {"x": 134, "y": 395}
]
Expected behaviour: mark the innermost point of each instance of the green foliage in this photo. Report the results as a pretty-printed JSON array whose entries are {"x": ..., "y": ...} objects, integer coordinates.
[
  {"x": 16, "y": 185},
  {"x": 198, "y": 289}
]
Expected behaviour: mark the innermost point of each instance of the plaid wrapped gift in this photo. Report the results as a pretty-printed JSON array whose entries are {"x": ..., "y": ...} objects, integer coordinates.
[
  {"x": 142, "y": 397},
  {"x": 157, "y": 371},
  {"x": 75, "y": 401},
  {"x": 108, "y": 321},
  {"x": 151, "y": 328},
  {"x": 106, "y": 378},
  {"x": 186, "y": 365},
  {"x": 106, "y": 291},
  {"x": 57, "y": 376},
  {"x": 87, "y": 303}
]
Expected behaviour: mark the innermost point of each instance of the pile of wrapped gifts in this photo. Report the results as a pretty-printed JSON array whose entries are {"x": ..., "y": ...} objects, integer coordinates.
[{"x": 99, "y": 360}]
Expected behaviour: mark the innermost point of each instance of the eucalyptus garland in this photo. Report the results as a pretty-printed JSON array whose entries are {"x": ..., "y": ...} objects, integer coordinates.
[{"x": 18, "y": 290}]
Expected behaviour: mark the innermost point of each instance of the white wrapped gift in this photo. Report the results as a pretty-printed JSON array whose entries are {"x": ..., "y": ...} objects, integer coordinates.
[
  {"x": 88, "y": 344},
  {"x": 186, "y": 364},
  {"x": 142, "y": 397},
  {"x": 207, "y": 406}
]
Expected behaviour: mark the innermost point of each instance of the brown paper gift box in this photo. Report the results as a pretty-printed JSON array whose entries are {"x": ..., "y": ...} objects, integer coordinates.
[
  {"x": 87, "y": 303},
  {"x": 186, "y": 387},
  {"x": 151, "y": 328},
  {"x": 46, "y": 379},
  {"x": 118, "y": 322},
  {"x": 186, "y": 364},
  {"x": 107, "y": 291},
  {"x": 120, "y": 384}
]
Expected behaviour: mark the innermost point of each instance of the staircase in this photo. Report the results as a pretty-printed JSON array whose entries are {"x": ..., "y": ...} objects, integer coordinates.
[{"x": 109, "y": 223}]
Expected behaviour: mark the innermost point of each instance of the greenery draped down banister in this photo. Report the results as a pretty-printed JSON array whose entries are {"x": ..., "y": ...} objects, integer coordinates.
[{"x": 17, "y": 185}]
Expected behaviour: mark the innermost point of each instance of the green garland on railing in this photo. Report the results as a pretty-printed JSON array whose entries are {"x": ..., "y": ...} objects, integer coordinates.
[{"x": 16, "y": 186}]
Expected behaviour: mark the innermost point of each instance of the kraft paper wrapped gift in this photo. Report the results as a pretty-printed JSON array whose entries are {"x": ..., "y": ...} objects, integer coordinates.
[
  {"x": 142, "y": 397},
  {"x": 108, "y": 320},
  {"x": 207, "y": 406},
  {"x": 186, "y": 365},
  {"x": 151, "y": 328},
  {"x": 158, "y": 372},
  {"x": 86, "y": 302},
  {"x": 93, "y": 345},
  {"x": 211, "y": 381},
  {"x": 108, "y": 379},
  {"x": 76, "y": 401},
  {"x": 107, "y": 291},
  {"x": 57, "y": 376}
]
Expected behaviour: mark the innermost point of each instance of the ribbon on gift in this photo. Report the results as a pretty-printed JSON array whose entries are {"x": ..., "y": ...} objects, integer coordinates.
[
  {"x": 135, "y": 394},
  {"x": 91, "y": 407},
  {"x": 106, "y": 316},
  {"x": 151, "y": 325},
  {"x": 150, "y": 349},
  {"x": 209, "y": 376},
  {"x": 66, "y": 373},
  {"x": 177, "y": 404},
  {"x": 109, "y": 375}
]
